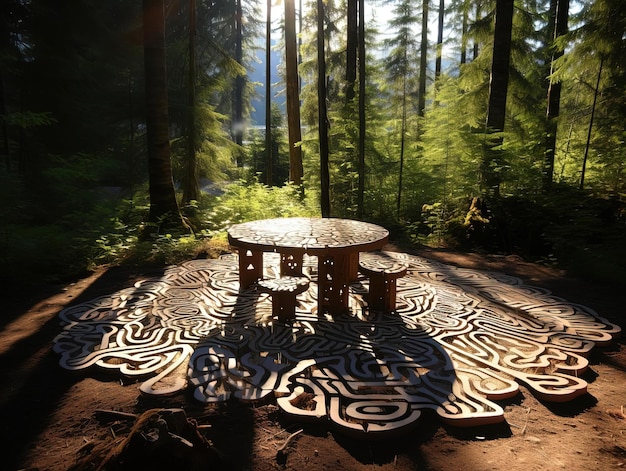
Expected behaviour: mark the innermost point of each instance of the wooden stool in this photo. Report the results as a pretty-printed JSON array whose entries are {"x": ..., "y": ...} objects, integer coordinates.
[
  {"x": 283, "y": 292},
  {"x": 382, "y": 272}
]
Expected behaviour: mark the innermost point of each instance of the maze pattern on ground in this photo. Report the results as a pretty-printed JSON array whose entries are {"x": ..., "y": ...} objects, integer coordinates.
[{"x": 459, "y": 341}]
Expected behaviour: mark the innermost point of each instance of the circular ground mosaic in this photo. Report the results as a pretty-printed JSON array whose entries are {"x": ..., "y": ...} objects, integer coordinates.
[{"x": 459, "y": 341}]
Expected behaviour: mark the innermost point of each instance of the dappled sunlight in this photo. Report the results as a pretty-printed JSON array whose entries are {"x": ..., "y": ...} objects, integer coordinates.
[{"x": 459, "y": 341}]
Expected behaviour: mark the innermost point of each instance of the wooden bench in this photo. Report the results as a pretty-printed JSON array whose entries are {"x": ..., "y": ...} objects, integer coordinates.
[
  {"x": 382, "y": 271},
  {"x": 283, "y": 291}
]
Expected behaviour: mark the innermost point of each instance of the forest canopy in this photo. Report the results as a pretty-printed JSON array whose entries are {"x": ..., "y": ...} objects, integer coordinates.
[{"x": 127, "y": 132}]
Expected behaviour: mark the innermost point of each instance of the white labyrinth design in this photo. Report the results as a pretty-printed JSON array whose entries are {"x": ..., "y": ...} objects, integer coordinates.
[{"x": 460, "y": 341}]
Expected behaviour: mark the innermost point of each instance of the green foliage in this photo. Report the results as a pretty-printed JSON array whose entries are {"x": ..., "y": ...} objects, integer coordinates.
[
  {"x": 593, "y": 70},
  {"x": 214, "y": 149},
  {"x": 575, "y": 229},
  {"x": 37, "y": 254},
  {"x": 28, "y": 119},
  {"x": 248, "y": 201},
  {"x": 256, "y": 152},
  {"x": 74, "y": 188}
]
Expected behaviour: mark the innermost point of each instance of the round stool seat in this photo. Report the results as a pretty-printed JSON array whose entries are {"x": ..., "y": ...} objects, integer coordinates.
[
  {"x": 382, "y": 271},
  {"x": 283, "y": 291}
]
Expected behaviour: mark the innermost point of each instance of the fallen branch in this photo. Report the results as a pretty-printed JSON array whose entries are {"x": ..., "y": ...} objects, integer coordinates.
[
  {"x": 289, "y": 438},
  {"x": 281, "y": 454}
]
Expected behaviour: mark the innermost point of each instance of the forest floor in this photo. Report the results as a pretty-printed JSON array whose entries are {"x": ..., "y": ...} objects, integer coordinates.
[{"x": 49, "y": 416}]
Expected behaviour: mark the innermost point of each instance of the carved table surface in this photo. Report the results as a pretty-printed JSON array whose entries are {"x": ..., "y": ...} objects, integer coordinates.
[
  {"x": 336, "y": 243},
  {"x": 312, "y": 235}
]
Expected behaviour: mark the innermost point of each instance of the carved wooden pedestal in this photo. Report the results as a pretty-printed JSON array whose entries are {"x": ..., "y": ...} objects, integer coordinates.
[
  {"x": 284, "y": 291},
  {"x": 250, "y": 267},
  {"x": 335, "y": 242},
  {"x": 382, "y": 273}
]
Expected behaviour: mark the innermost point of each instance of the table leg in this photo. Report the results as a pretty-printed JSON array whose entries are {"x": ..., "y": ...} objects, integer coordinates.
[
  {"x": 353, "y": 271},
  {"x": 333, "y": 283},
  {"x": 383, "y": 294},
  {"x": 250, "y": 268},
  {"x": 291, "y": 264}
]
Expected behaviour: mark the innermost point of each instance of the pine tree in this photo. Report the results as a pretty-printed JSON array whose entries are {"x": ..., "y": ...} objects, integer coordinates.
[
  {"x": 322, "y": 112},
  {"x": 423, "y": 59},
  {"x": 191, "y": 190},
  {"x": 293, "y": 95},
  {"x": 498, "y": 88},
  {"x": 164, "y": 210},
  {"x": 590, "y": 151},
  {"x": 557, "y": 28},
  {"x": 401, "y": 73}
]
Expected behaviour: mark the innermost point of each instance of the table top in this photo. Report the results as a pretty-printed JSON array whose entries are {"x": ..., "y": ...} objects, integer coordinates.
[{"x": 309, "y": 234}]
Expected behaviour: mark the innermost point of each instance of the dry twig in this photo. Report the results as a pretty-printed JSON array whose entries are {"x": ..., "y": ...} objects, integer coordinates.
[{"x": 281, "y": 454}]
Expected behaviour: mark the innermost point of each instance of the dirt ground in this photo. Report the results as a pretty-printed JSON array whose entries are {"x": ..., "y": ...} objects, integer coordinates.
[{"x": 49, "y": 416}]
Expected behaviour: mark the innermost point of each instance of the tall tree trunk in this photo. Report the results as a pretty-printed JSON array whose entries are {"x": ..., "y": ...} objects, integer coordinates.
[
  {"x": 351, "y": 48},
  {"x": 163, "y": 206},
  {"x": 191, "y": 192},
  {"x": 442, "y": 8},
  {"x": 465, "y": 21},
  {"x": 423, "y": 60},
  {"x": 4, "y": 126},
  {"x": 132, "y": 164},
  {"x": 293, "y": 95},
  {"x": 362, "y": 130},
  {"x": 593, "y": 113},
  {"x": 300, "y": 35},
  {"x": 322, "y": 113},
  {"x": 269, "y": 158},
  {"x": 475, "y": 47},
  {"x": 237, "y": 121},
  {"x": 402, "y": 143},
  {"x": 498, "y": 88},
  {"x": 559, "y": 12}
]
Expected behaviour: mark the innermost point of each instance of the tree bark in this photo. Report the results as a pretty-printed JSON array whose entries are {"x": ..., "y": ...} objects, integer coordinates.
[
  {"x": 442, "y": 8},
  {"x": 322, "y": 113},
  {"x": 464, "y": 34},
  {"x": 498, "y": 88},
  {"x": 501, "y": 59},
  {"x": 237, "y": 122},
  {"x": 475, "y": 49},
  {"x": 293, "y": 94},
  {"x": 5, "y": 127},
  {"x": 351, "y": 48},
  {"x": 269, "y": 158},
  {"x": 362, "y": 129},
  {"x": 559, "y": 12},
  {"x": 402, "y": 145},
  {"x": 423, "y": 60},
  {"x": 589, "y": 129},
  {"x": 163, "y": 206},
  {"x": 191, "y": 191}
]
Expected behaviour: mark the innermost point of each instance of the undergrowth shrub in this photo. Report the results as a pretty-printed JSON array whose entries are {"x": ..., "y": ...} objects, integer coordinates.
[{"x": 245, "y": 202}]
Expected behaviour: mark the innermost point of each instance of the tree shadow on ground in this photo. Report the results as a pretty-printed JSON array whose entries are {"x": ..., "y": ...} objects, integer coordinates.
[{"x": 33, "y": 382}]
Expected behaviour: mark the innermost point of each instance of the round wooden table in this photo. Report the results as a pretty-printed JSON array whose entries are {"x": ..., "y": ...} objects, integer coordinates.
[{"x": 336, "y": 242}]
